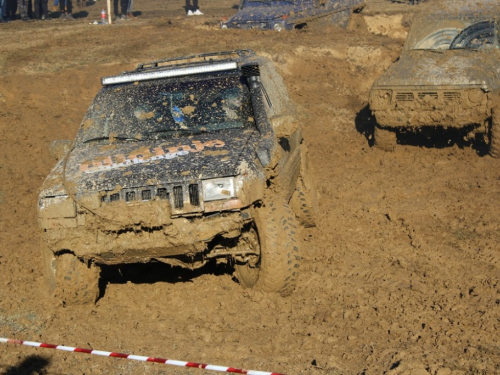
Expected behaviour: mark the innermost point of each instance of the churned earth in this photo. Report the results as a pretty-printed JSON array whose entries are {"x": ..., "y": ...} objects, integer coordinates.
[{"x": 401, "y": 275}]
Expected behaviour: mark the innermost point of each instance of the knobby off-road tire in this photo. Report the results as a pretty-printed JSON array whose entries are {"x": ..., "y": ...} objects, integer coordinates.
[
  {"x": 248, "y": 273},
  {"x": 279, "y": 261},
  {"x": 304, "y": 204},
  {"x": 70, "y": 280},
  {"x": 385, "y": 139},
  {"x": 495, "y": 133}
]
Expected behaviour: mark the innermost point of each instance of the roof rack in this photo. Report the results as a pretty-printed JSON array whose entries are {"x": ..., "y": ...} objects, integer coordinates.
[
  {"x": 201, "y": 58},
  {"x": 168, "y": 68}
]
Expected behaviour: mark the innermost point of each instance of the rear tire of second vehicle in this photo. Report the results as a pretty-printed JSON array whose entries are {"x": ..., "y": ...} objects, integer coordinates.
[{"x": 495, "y": 133}]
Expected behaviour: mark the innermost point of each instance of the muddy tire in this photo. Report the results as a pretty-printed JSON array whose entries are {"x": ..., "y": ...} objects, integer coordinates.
[
  {"x": 248, "y": 272},
  {"x": 70, "y": 280},
  {"x": 385, "y": 139},
  {"x": 495, "y": 133},
  {"x": 279, "y": 261},
  {"x": 304, "y": 204}
]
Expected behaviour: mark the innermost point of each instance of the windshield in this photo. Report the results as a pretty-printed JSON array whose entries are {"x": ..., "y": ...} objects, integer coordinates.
[
  {"x": 164, "y": 109},
  {"x": 450, "y": 33}
]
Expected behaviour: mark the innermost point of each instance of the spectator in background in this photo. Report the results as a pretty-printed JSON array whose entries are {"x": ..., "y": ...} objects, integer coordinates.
[
  {"x": 120, "y": 14},
  {"x": 22, "y": 7},
  {"x": 66, "y": 10},
  {"x": 3, "y": 10},
  {"x": 130, "y": 9},
  {"x": 11, "y": 9},
  {"x": 193, "y": 10},
  {"x": 42, "y": 6}
]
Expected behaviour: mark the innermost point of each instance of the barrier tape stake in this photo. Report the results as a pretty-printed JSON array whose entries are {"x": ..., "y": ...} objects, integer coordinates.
[{"x": 172, "y": 362}]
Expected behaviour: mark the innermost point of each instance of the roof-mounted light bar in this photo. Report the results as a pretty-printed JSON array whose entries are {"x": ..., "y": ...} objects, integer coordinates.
[{"x": 185, "y": 71}]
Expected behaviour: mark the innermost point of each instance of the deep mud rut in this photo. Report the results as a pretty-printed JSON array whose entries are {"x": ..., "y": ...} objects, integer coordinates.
[{"x": 401, "y": 276}]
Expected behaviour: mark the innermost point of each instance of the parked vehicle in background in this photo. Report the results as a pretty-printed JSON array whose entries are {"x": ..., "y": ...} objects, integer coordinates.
[
  {"x": 448, "y": 76},
  {"x": 180, "y": 161},
  {"x": 289, "y": 14}
]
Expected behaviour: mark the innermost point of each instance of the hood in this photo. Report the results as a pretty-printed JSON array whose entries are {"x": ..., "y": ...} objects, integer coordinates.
[
  {"x": 94, "y": 167},
  {"x": 450, "y": 68}
]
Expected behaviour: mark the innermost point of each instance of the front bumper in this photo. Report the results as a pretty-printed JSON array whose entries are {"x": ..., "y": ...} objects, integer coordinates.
[
  {"x": 448, "y": 107},
  {"x": 187, "y": 237}
]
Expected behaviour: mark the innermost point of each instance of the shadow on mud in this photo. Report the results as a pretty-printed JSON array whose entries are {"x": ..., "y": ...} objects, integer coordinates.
[
  {"x": 429, "y": 137},
  {"x": 152, "y": 272},
  {"x": 32, "y": 364}
]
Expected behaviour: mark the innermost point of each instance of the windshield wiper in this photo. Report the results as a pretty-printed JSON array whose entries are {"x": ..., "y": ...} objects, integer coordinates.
[
  {"x": 180, "y": 131},
  {"x": 111, "y": 138},
  {"x": 429, "y": 49}
]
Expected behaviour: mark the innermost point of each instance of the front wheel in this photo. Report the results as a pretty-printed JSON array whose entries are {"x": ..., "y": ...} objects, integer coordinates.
[
  {"x": 385, "y": 139},
  {"x": 305, "y": 205},
  {"x": 70, "y": 280},
  {"x": 495, "y": 133},
  {"x": 278, "y": 267}
]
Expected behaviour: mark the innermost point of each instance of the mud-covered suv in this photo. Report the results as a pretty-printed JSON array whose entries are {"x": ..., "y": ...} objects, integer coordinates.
[
  {"x": 290, "y": 14},
  {"x": 448, "y": 76},
  {"x": 180, "y": 161}
]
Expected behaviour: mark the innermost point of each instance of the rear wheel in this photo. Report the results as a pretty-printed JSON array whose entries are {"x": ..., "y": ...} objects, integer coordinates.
[
  {"x": 69, "y": 279},
  {"x": 385, "y": 139},
  {"x": 495, "y": 133}
]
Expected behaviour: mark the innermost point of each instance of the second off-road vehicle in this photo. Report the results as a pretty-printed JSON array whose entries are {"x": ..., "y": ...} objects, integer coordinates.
[
  {"x": 180, "y": 161},
  {"x": 448, "y": 76},
  {"x": 291, "y": 14}
]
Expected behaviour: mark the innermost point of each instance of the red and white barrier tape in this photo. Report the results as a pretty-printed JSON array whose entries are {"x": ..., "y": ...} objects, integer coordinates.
[{"x": 139, "y": 358}]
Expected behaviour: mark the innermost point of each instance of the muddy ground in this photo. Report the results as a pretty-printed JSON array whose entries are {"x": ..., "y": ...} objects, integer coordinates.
[{"x": 401, "y": 276}]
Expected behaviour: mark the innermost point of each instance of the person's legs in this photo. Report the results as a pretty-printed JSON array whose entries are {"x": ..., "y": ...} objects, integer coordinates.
[
  {"x": 11, "y": 9},
  {"x": 45, "y": 8},
  {"x": 130, "y": 9},
  {"x": 123, "y": 7},
  {"x": 38, "y": 14},
  {"x": 22, "y": 6}
]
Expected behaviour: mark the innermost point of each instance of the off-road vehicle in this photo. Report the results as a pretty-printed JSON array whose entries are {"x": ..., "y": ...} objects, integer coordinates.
[
  {"x": 290, "y": 14},
  {"x": 448, "y": 76},
  {"x": 180, "y": 161}
]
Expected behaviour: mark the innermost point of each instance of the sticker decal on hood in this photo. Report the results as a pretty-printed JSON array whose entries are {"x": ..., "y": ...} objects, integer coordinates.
[{"x": 146, "y": 155}]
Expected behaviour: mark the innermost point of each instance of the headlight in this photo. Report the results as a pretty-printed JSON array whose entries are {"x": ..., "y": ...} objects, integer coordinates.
[
  {"x": 278, "y": 26},
  {"x": 57, "y": 212},
  {"x": 57, "y": 207},
  {"x": 218, "y": 188},
  {"x": 380, "y": 98},
  {"x": 476, "y": 95}
]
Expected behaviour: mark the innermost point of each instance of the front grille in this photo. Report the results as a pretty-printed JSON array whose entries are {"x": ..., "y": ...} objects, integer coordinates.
[
  {"x": 146, "y": 195},
  {"x": 173, "y": 194},
  {"x": 178, "y": 197},
  {"x": 194, "y": 195},
  {"x": 451, "y": 95},
  {"x": 433, "y": 95},
  {"x": 404, "y": 96},
  {"x": 162, "y": 193}
]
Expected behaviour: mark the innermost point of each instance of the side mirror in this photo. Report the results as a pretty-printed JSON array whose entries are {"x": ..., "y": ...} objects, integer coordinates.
[{"x": 59, "y": 148}]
